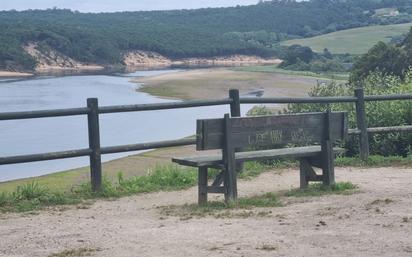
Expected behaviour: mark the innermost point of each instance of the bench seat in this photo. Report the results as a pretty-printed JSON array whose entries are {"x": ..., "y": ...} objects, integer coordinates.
[{"x": 215, "y": 160}]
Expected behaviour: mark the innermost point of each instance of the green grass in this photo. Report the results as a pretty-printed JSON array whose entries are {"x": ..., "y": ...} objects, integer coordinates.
[
  {"x": 374, "y": 161},
  {"x": 75, "y": 252},
  {"x": 34, "y": 195},
  {"x": 275, "y": 69},
  {"x": 246, "y": 206},
  {"x": 352, "y": 41},
  {"x": 318, "y": 189},
  {"x": 225, "y": 210}
]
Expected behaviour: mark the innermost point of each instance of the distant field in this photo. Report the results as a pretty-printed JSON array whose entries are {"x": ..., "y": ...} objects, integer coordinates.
[{"x": 352, "y": 41}]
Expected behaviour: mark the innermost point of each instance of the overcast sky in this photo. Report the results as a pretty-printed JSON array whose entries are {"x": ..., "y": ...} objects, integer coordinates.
[{"x": 119, "y": 5}]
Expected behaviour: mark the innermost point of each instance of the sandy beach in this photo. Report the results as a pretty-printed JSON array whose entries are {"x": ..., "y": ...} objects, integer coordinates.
[{"x": 10, "y": 74}]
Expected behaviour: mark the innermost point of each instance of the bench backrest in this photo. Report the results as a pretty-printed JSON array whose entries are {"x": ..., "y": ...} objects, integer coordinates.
[{"x": 272, "y": 130}]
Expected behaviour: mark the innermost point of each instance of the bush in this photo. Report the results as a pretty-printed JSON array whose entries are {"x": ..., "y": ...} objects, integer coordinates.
[{"x": 379, "y": 114}]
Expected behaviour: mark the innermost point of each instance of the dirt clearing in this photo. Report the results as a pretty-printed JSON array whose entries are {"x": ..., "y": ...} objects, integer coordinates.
[{"x": 376, "y": 221}]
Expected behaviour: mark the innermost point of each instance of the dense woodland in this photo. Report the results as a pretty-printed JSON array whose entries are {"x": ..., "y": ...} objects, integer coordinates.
[{"x": 257, "y": 29}]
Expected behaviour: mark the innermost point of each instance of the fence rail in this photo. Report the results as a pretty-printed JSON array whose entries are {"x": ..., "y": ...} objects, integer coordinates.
[{"x": 93, "y": 111}]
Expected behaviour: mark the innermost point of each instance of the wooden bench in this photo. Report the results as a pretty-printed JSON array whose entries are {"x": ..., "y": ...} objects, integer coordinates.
[{"x": 249, "y": 133}]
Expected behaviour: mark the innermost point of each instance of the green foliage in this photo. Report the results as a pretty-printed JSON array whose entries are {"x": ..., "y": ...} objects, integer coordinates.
[
  {"x": 260, "y": 110},
  {"x": 302, "y": 58},
  {"x": 379, "y": 113},
  {"x": 256, "y": 29},
  {"x": 318, "y": 189},
  {"x": 384, "y": 58}
]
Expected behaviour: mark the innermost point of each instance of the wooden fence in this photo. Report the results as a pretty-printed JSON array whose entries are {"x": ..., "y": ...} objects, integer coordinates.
[{"x": 93, "y": 111}]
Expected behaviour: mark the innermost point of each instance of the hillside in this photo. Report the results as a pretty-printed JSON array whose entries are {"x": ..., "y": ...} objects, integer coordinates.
[
  {"x": 352, "y": 41},
  {"x": 103, "y": 38}
]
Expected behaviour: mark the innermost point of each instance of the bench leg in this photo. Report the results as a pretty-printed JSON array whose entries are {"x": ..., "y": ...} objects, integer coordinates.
[
  {"x": 304, "y": 178},
  {"x": 202, "y": 185},
  {"x": 230, "y": 184},
  {"x": 328, "y": 169}
]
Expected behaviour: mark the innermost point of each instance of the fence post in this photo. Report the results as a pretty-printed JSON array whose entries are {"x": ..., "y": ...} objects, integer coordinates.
[
  {"x": 361, "y": 124},
  {"x": 94, "y": 144},
  {"x": 235, "y": 105},
  {"x": 235, "y": 112}
]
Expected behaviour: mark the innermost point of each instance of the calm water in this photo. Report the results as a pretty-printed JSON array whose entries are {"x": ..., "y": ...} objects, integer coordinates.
[{"x": 65, "y": 133}]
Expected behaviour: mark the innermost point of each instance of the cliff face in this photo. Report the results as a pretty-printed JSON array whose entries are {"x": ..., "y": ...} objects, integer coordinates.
[
  {"x": 53, "y": 60},
  {"x": 49, "y": 59},
  {"x": 144, "y": 58}
]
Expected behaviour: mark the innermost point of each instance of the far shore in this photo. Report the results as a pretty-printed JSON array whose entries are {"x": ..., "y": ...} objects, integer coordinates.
[{"x": 12, "y": 74}]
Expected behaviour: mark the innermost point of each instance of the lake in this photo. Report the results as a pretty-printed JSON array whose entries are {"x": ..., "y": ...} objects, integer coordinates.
[{"x": 66, "y": 133}]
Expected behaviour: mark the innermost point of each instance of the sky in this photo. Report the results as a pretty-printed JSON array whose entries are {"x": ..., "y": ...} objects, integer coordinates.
[{"x": 119, "y": 5}]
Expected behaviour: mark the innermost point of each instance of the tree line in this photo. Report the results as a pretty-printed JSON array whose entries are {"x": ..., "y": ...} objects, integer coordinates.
[{"x": 254, "y": 30}]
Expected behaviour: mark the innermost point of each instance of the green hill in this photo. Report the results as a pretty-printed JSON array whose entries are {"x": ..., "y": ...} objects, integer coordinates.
[
  {"x": 352, "y": 41},
  {"x": 258, "y": 29}
]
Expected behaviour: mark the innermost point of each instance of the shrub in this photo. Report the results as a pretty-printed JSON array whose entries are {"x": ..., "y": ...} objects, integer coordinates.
[{"x": 379, "y": 113}]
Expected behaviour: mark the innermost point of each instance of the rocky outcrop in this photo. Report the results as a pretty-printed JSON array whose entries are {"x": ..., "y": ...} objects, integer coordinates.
[{"x": 49, "y": 59}]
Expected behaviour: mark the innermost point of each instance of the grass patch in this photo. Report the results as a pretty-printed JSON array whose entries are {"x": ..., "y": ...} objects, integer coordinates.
[
  {"x": 352, "y": 41},
  {"x": 318, "y": 189},
  {"x": 374, "y": 161},
  {"x": 75, "y": 252},
  {"x": 240, "y": 209},
  {"x": 267, "y": 247},
  {"x": 341, "y": 76},
  {"x": 33, "y": 196},
  {"x": 254, "y": 169}
]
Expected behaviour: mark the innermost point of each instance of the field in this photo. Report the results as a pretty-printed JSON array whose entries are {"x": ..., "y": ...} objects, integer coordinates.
[{"x": 352, "y": 41}]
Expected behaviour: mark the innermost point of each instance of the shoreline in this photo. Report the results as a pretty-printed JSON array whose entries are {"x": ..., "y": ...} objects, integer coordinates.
[{"x": 14, "y": 74}]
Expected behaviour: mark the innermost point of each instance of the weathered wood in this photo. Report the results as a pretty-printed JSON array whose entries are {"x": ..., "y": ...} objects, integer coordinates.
[
  {"x": 304, "y": 178},
  {"x": 328, "y": 168},
  {"x": 218, "y": 179},
  {"x": 216, "y": 190},
  {"x": 235, "y": 112},
  {"x": 229, "y": 161},
  {"x": 45, "y": 156},
  {"x": 94, "y": 144},
  {"x": 202, "y": 185},
  {"x": 270, "y": 130},
  {"x": 361, "y": 123},
  {"x": 215, "y": 160},
  {"x": 307, "y": 173},
  {"x": 235, "y": 105}
]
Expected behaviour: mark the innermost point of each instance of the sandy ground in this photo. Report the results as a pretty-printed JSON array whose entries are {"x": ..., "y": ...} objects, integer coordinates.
[
  {"x": 216, "y": 82},
  {"x": 377, "y": 221},
  {"x": 14, "y": 74}
]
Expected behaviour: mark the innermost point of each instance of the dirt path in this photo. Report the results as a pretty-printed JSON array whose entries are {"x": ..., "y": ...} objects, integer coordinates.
[{"x": 375, "y": 222}]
